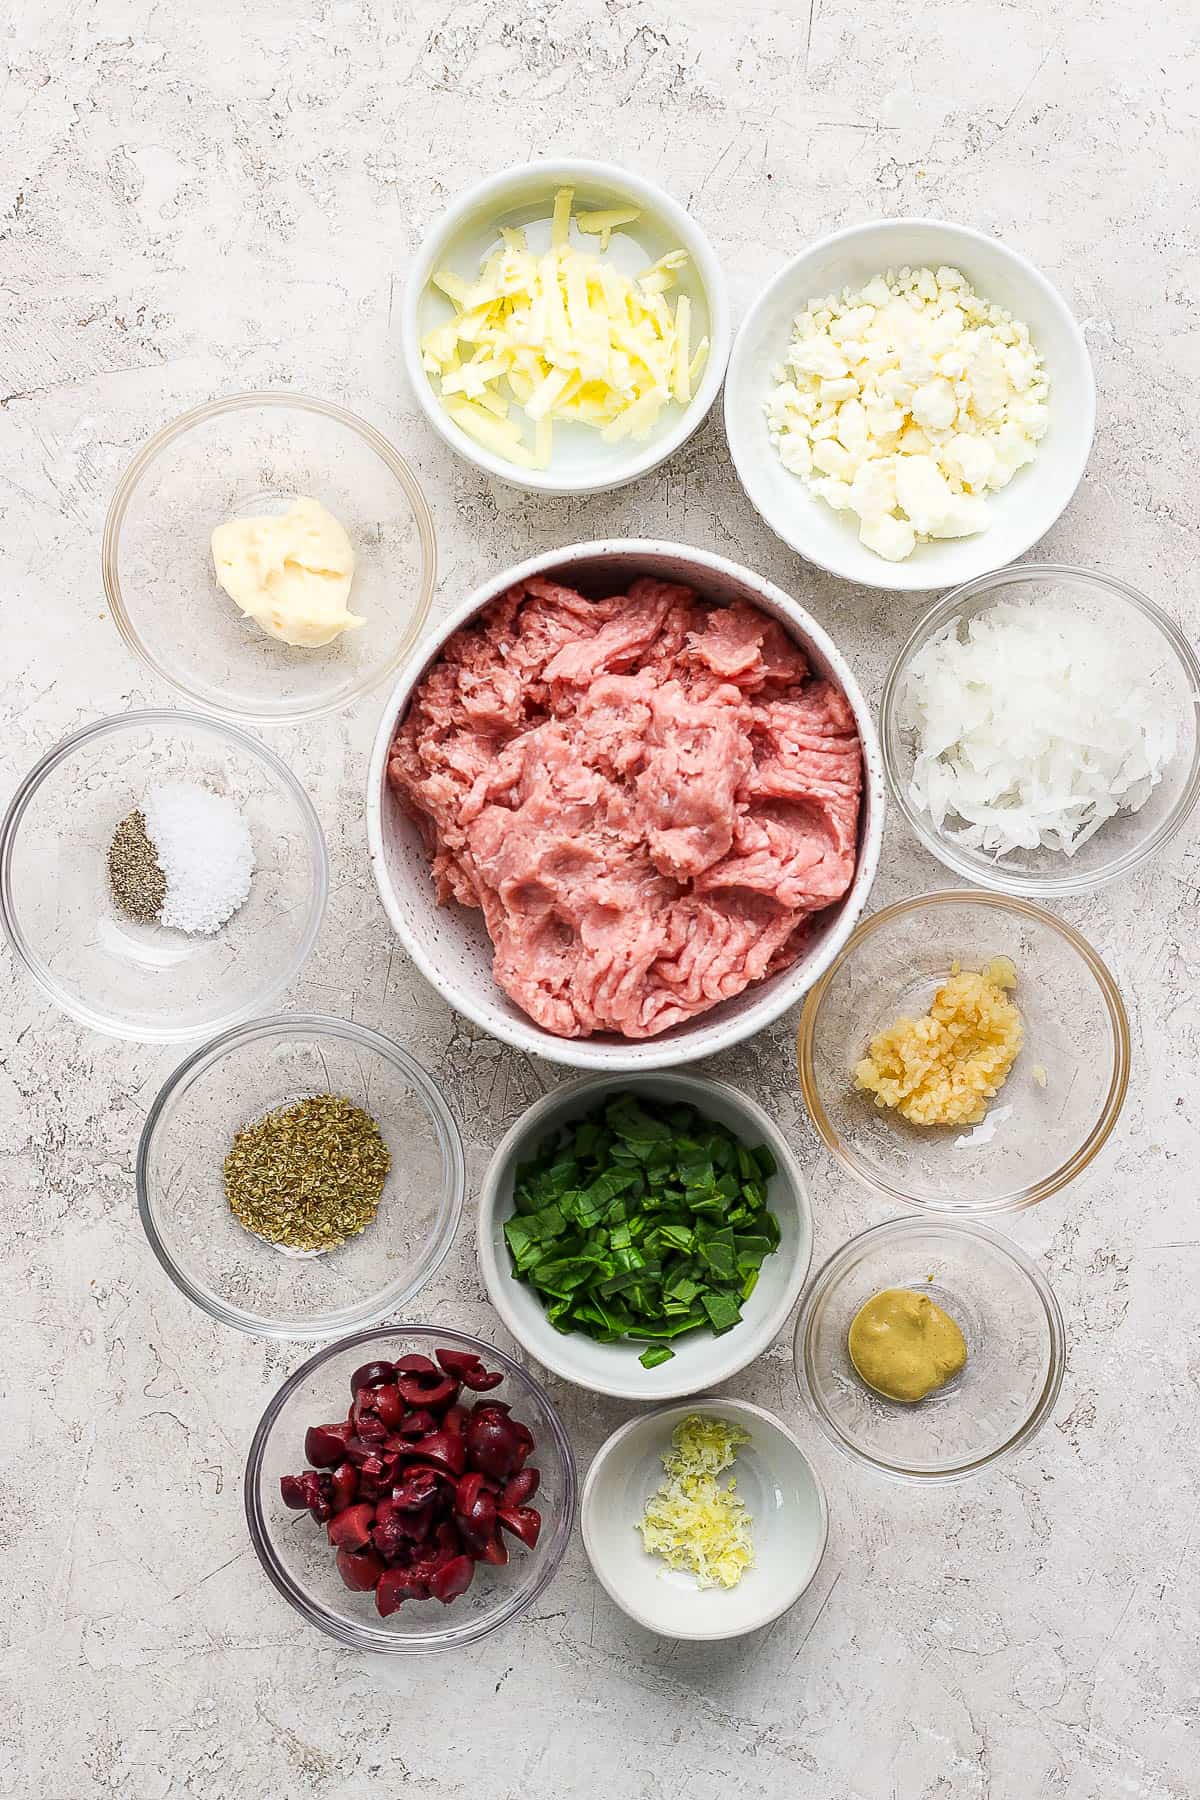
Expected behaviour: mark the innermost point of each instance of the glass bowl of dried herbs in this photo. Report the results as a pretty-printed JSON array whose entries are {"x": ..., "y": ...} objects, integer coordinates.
[{"x": 300, "y": 1177}]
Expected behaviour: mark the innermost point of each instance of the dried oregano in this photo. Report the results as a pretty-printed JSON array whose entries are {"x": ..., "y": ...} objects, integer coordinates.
[{"x": 308, "y": 1176}]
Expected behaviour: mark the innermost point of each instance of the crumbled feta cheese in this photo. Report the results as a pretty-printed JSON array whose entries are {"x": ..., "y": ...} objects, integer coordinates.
[
  {"x": 922, "y": 492},
  {"x": 873, "y": 490},
  {"x": 934, "y": 405},
  {"x": 832, "y": 459},
  {"x": 906, "y": 403},
  {"x": 835, "y": 493},
  {"x": 796, "y": 454},
  {"x": 844, "y": 389},
  {"x": 888, "y": 536},
  {"x": 972, "y": 459}
]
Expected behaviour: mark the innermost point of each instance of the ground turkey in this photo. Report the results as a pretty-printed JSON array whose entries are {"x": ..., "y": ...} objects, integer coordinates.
[{"x": 647, "y": 797}]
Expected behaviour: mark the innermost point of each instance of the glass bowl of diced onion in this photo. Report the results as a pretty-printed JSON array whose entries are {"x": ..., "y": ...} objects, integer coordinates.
[
  {"x": 1041, "y": 730},
  {"x": 528, "y": 389}
]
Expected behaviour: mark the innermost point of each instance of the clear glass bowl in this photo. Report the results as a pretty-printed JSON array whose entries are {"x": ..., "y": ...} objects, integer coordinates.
[
  {"x": 149, "y": 982},
  {"x": 242, "y": 456},
  {"x": 240, "y": 1279},
  {"x": 295, "y": 1552},
  {"x": 1016, "y": 1349},
  {"x": 1035, "y": 1138},
  {"x": 1159, "y": 657}
]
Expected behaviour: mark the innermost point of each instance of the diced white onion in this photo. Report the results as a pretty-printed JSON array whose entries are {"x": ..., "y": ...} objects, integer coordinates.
[{"x": 1031, "y": 732}]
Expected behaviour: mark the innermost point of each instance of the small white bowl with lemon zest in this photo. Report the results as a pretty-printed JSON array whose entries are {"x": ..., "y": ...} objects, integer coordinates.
[
  {"x": 785, "y": 1510},
  {"x": 566, "y": 326}
]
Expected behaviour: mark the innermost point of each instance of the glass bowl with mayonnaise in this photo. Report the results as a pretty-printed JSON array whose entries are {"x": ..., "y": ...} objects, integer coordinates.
[{"x": 271, "y": 557}]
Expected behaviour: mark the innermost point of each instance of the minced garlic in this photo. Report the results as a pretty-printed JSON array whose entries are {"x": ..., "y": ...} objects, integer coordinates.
[{"x": 943, "y": 1069}]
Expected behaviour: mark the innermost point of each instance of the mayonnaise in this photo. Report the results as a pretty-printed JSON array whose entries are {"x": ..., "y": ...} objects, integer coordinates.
[{"x": 290, "y": 573}]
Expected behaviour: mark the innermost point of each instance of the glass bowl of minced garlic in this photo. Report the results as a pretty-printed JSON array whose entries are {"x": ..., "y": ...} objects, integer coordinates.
[{"x": 966, "y": 1053}]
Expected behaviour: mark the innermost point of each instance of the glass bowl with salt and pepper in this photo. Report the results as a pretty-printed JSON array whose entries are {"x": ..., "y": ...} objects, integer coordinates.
[{"x": 161, "y": 875}]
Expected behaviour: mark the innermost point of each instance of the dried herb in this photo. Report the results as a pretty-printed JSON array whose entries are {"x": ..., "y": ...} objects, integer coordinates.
[
  {"x": 308, "y": 1176},
  {"x": 138, "y": 884}
]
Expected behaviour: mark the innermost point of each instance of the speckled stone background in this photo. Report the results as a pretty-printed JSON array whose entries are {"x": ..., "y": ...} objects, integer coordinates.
[{"x": 200, "y": 198}]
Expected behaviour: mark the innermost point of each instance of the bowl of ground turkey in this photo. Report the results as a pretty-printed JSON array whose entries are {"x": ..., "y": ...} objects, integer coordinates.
[{"x": 628, "y": 806}]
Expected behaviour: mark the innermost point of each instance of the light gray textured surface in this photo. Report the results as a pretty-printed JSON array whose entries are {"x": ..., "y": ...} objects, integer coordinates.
[{"x": 200, "y": 198}]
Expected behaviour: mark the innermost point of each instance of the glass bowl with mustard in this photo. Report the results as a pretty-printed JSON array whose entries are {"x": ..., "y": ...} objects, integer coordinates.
[
  {"x": 299, "y": 1177},
  {"x": 928, "y": 1349},
  {"x": 966, "y": 1053}
]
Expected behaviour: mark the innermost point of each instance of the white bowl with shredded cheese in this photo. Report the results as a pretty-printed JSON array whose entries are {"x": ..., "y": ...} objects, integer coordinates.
[
  {"x": 910, "y": 403},
  {"x": 736, "y": 1542},
  {"x": 1041, "y": 730},
  {"x": 565, "y": 326}
]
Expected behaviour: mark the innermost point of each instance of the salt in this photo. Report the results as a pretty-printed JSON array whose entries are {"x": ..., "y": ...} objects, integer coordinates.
[{"x": 205, "y": 852}]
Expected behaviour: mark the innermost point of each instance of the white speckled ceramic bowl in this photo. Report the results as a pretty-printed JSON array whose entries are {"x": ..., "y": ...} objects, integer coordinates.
[
  {"x": 700, "y": 1360},
  {"x": 582, "y": 463},
  {"x": 450, "y": 945},
  {"x": 1022, "y": 512}
]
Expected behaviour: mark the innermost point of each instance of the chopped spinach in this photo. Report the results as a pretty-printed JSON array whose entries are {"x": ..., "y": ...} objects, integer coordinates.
[{"x": 642, "y": 1221}]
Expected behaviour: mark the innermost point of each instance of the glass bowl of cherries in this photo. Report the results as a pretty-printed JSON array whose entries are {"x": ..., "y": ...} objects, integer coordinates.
[{"x": 410, "y": 1489}]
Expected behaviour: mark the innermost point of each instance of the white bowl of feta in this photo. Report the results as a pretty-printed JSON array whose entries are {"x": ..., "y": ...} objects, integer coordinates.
[
  {"x": 662, "y": 290},
  {"x": 910, "y": 404}
]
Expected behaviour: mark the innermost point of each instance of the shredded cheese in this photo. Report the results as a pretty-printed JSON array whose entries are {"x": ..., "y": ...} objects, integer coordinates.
[
  {"x": 604, "y": 223},
  {"x": 564, "y": 335},
  {"x": 691, "y": 1521}
]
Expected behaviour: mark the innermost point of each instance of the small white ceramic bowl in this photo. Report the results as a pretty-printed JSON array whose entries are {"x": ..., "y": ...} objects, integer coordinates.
[
  {"x": 782, "y": 1494},
  {"x": 450, "y": 945},
  {"x": 700, "y": 1360},
  {"x": 1021, "y": 513},
  {"x": 524, "y": 196}
]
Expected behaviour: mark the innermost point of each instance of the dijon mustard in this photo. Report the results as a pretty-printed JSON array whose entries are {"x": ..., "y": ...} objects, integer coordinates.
[{"x": 904, "y": 1346}]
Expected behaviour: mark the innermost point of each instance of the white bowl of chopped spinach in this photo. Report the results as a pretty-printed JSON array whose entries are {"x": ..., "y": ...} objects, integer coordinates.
[{"x": 647, "y": 1236}]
